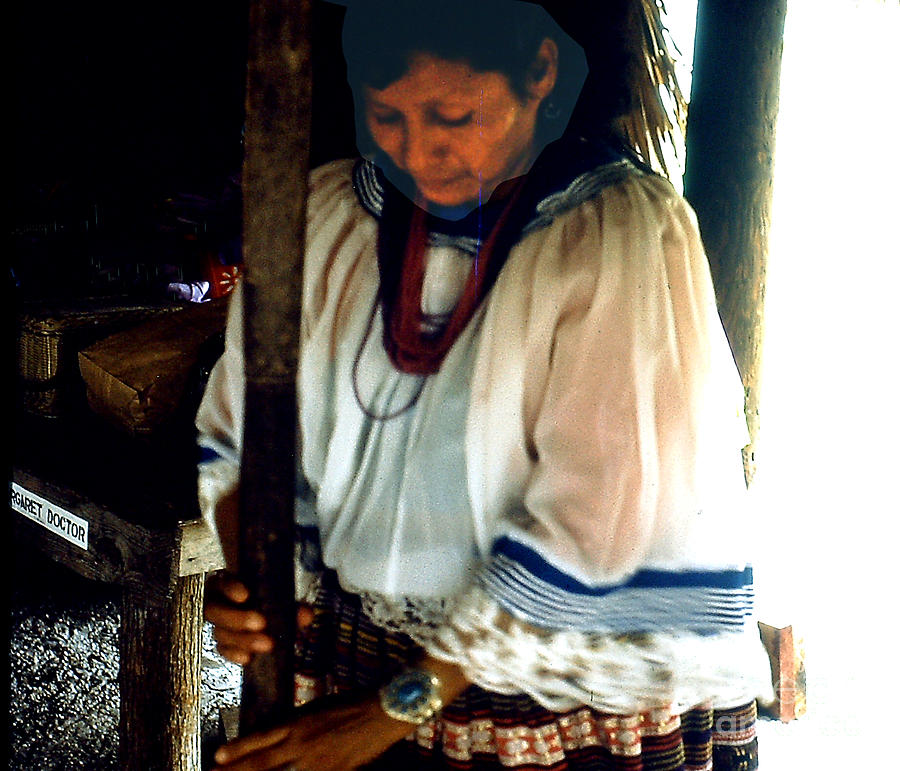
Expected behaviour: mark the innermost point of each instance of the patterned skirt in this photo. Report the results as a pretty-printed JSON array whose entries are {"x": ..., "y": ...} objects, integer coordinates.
[{"x": 344, "y": 651}]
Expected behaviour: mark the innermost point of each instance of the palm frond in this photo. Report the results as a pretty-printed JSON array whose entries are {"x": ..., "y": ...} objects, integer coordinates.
[{"x": 659, "y": 110}]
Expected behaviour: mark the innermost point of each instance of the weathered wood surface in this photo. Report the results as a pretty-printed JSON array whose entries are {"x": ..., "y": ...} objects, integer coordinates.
[
  {"x": 788, "y": 664},
  {"x": 199, "y": 550},
  {"x": 729, "y": 168},
  {"x": 138, "y": 559},
  {"x": 136, "y": 541},
  {"x": 160, "y": 634},
  {"x": 275, "y": 174},
  {"x": 160, "y": 646}
]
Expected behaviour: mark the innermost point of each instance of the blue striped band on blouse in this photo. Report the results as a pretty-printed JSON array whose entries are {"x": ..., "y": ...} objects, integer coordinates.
[
  {"x": 696, "y": 601},
  {"x": 206, "y": 454},
  {"x": 210, "y": 450},
  {"x": 368, "y": 188}
]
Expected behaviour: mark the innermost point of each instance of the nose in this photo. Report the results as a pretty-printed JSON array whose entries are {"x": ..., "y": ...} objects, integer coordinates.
[{"x": 423, "y": 147}]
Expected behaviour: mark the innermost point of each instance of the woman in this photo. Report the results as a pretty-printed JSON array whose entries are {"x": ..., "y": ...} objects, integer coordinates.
[{"x": 521, "y": 427}]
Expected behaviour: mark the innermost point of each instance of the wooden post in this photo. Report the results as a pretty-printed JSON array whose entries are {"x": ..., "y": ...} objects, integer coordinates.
[
  {"x": 159, "y": 675},
  {"x": 788, "y": 663},
  {"x": 730, "y": 150},
  {"x": 275, "y": 172}
]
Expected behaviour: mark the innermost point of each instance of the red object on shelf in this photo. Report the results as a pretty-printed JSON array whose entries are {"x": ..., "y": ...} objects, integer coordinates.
[{"x": 222, "y": 278}]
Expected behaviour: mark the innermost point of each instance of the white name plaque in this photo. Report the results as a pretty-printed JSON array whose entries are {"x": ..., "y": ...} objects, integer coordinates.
[{"x": 55, "y": 518}]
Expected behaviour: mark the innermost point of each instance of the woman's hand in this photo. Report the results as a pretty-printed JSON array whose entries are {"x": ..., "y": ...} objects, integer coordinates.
[
  {"x": 240, "y": 631},
  {"x": 333, "y": 733},
  {"x": 327, "y": 736}
]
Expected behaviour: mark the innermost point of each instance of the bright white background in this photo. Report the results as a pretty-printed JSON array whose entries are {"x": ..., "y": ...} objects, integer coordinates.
[{"x": 825, "y": 497}]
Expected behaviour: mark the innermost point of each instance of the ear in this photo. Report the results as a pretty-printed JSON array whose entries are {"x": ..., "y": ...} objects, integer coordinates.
[{"x": 544, "y": 70}]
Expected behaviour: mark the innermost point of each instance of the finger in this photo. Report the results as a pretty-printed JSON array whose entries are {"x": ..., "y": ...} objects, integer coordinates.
[
  {"x": 236, "y": 655},
  {"x": 239, "y": 749},
  {"x": 250, "y": 642},
  {"x": 281, "y": 757},
  {"x": 228, "y": 587},
  {"x": 235, "y": 619},
  {"x": 234, "y": 590}
]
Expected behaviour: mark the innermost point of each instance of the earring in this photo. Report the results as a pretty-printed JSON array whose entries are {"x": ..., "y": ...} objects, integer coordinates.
[{"x": 551, "y": 111}]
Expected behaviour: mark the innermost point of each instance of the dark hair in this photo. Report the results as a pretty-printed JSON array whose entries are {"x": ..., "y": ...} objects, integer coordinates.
[{"x": 380, "y": 38}]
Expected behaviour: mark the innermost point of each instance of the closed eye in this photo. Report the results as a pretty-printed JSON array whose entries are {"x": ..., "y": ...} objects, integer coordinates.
[
  {"x": 453, "y": 122},
  {"x": 386, "y": 119}
]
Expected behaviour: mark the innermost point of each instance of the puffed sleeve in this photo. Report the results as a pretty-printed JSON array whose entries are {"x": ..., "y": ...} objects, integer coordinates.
[
  {"x": 619, "y": 579},
  {"x": 220, "y": 421}
]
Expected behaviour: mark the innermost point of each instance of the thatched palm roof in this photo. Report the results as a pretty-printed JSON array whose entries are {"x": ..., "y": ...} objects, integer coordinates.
[{"x": 659, "y": 111}]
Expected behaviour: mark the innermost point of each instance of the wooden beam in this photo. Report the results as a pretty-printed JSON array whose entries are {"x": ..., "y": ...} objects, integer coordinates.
[
  {"x": 138, "y": 558},
  {"x": 730, "y": 151},
  {"x": 275, "y": 172}
]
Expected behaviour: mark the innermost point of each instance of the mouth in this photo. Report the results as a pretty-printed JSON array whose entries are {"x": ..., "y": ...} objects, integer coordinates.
[{"x": 438, "y": 182}]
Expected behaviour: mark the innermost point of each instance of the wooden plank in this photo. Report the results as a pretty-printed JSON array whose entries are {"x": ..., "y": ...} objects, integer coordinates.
[
  {"x": 275, "y": 172},
  {"x": 199, "y": 549},
  {"x": 730, "y": 152},
  {"x": 140, "y": 560}
]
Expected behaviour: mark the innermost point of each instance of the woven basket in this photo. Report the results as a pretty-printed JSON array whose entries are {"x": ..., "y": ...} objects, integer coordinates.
[{"x": 50, "y": 337}]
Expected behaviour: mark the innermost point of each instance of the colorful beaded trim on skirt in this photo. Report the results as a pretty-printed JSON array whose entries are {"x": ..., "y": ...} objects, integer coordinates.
[{"x": 344, "y": 651}]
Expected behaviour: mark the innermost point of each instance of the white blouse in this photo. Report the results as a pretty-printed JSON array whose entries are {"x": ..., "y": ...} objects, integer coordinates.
[{"x": 559, "y": 509}]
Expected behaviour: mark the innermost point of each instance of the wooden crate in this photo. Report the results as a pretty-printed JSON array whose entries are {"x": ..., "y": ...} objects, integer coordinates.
[
  {"x": 50, "y": 336},
  {"x": 139, "y": 379}
]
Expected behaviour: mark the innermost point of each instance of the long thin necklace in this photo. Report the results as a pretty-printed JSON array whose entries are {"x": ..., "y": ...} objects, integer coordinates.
[{"x": 367, "y": 411}]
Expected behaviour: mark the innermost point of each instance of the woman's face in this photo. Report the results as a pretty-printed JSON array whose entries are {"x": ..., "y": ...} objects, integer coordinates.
[{"x": 456, "y": 132}]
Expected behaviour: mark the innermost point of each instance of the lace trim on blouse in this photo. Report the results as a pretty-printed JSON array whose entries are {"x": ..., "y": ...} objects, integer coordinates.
[
  {"x": 565, "y": 669},
  {"x": 621, "y": 674}
]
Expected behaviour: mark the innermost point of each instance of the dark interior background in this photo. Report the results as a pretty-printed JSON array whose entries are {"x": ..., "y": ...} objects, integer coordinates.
[
  {"x": 122, "y": 110},
  {"x": 138, "y": 94},
  {"x": 128, "y": 94}
]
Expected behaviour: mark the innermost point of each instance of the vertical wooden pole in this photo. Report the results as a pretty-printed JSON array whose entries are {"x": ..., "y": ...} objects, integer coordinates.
[
  {"x": 159, "y": 676},
  {"x": 275, "y": 172},
  {"x": 730, "y": 153}
]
